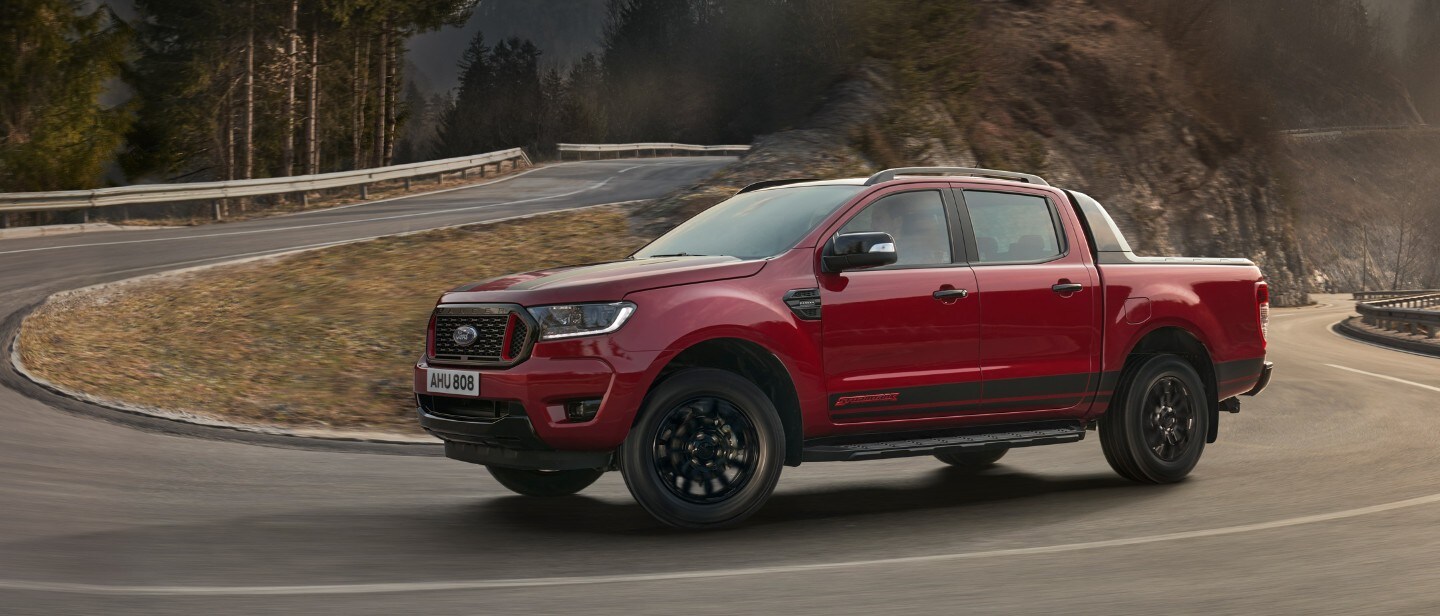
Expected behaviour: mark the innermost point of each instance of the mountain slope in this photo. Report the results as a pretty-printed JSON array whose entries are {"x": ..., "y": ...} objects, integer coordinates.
[{"x": 1081, "y": 95}]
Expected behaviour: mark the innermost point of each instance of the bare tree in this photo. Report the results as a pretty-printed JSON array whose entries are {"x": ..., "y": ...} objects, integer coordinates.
[
  {"x": 287, "y": 110},
  {"x": 247, "y": 136},
  {"x": 312, "y": 101}
]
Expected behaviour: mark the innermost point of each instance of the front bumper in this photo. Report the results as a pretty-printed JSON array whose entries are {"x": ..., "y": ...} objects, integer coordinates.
[
  {"x": 537, "y": 391},
  {"x": 1264, "y": 381},
  {"x": 506, "y": 441}
]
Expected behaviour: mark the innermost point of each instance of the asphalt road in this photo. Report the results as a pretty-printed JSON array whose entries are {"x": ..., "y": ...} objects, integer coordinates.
[{"x": 1320, "y": 497}]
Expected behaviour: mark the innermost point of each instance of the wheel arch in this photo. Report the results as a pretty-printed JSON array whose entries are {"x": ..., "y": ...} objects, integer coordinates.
[
  {"x": 755, "y": 363},
  {"x": 1177, "y": 340}
]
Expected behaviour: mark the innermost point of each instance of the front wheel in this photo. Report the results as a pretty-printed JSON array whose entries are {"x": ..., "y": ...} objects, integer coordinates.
[
  {"x": 1156, "y": 432},
  {"x": 545, "y": 483},
  {"x": 706, "y": 452}
]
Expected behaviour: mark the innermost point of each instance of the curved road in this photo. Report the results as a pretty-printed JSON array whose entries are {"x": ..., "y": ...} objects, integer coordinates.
[{"x": 1322, "y": 495}]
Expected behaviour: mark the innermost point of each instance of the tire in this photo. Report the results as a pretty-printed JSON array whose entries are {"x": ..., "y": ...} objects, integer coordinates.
[
  {"x": 972, "y": 461},
  {"x": 1152, "y": 436},
  {"x": 706, "y": 451},
  {"x": 545, "y": 483}
]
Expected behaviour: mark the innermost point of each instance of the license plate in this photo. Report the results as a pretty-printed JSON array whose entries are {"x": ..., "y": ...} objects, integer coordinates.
[{"x": 452, "y": 382}]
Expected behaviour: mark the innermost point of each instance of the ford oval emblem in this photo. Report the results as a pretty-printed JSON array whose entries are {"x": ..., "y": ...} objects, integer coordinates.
[{"x": 465, "y": 335}]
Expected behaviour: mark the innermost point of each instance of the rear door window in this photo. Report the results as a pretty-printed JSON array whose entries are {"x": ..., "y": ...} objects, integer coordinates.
[{"x": 1013, "y": 228}]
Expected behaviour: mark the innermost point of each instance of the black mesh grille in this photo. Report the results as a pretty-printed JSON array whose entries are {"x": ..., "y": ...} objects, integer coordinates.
[
  {"x": 503, "y": 334},
  {"x": 487, "y": 346},
  {"x": 518, "y": 337}
]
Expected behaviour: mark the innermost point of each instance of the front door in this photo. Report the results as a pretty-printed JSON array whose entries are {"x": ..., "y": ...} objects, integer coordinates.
[
  {"x": 902, "y": 341},
  {"x": 1038, "y": 297}
]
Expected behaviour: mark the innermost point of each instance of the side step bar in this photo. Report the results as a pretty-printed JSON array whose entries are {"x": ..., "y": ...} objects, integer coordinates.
[{"x": 1012, "y": 436}]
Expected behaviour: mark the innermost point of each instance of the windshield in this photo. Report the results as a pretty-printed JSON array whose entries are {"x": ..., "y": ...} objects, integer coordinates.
[{"x": 753, "y": 225}]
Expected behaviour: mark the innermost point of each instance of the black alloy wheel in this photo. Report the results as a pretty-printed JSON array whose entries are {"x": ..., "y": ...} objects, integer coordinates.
[
  {"x": 706, "y": 450},
  {"x": 1170, "y": 418},
  {"x": 1155, "y": 428}
]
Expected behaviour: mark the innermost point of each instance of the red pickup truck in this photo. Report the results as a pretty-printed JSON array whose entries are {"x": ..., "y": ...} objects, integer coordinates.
[{"x": 923, "y": 311}]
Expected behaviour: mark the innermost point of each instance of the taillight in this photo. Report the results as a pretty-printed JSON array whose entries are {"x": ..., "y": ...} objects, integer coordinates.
[
  {"x": 430, "y": 337},
  {"x": 1262, "y": 304}
]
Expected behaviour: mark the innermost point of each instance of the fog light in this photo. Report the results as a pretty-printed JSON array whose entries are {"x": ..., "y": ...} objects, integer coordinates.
[{"x": 579, "y": 411}]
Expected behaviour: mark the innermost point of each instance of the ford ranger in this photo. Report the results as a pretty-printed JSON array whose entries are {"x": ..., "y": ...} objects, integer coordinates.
[{"x": 950, "y": 312}]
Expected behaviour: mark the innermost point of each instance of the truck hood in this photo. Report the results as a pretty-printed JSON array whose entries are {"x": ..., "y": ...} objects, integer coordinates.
[{"x": 601, "y": 281}]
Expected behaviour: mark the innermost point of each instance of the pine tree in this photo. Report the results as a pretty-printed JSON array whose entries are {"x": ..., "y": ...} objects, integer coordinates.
[
  {"x": 582, "y": 113},
  {"x": 463, "y": 129},
  {"x": 58, "y": 57}
]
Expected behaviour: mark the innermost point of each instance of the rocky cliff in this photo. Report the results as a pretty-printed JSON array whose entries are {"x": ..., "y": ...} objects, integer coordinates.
[{"x": 1083, "y": 96}]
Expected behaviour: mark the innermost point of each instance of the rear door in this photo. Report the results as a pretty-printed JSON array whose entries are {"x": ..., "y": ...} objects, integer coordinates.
[
  {"x": 902, "y": 341},
  {"x": 1038, "y": 299}
]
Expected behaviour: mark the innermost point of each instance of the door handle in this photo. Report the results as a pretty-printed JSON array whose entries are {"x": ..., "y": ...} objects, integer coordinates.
[
  {"x": 1068, "y": 287},
  {"x": 944, "y": 294}
]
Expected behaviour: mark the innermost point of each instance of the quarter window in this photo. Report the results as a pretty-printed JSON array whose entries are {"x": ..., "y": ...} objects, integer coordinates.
[
  {"x": 1010, "y": 227},
  {"x": 915, "y": 219}
]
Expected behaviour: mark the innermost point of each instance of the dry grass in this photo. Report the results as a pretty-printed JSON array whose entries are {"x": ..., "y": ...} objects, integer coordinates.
[{"x": 318, "y": 339}]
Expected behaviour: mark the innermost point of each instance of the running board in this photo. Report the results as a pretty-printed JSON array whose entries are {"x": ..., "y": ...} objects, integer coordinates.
[{"x": 1011, "y": 437}]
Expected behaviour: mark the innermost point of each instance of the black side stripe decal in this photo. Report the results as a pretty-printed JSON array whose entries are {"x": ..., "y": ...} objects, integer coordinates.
[
  {"x": 913, "y": 395},
  {"x": 1036, "y": 386},
  {"x": 952, "y": 409},
  {"x": 1049, "y": 391}
]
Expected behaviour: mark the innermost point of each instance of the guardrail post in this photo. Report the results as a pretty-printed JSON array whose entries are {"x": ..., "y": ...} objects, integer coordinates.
[
  {"x": 217, "y": 209},
  {"x": 364, "y": 192},
  {"x": 407, "y": 184},
  {"x": 304, "y": 198},
  {"x": 464, "y": 173},
  {"x": 5, "y": 221}
]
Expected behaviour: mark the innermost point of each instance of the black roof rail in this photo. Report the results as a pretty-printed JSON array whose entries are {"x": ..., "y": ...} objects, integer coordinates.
[
  {"x": 890, "y": 174},
  {"x": 773, "y": 183}
]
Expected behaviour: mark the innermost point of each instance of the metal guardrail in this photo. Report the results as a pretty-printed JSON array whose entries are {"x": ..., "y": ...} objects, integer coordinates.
[
  {"x": 1364, "y": 295},
  {"x": 580, "y": 149},
  {"x": 1406, "y": 314},
  {"x": 216, "y": 191},
  {"x": 1355, "y": 129}
]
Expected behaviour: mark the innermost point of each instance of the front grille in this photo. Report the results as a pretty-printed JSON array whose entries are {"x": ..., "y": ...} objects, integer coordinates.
[
  {"x": 503, "y": 334},
  {"x": 487, "y": 346}
]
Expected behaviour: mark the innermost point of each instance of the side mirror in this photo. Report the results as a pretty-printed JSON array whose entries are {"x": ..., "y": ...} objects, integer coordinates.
[{"x": 851, "y": 251}]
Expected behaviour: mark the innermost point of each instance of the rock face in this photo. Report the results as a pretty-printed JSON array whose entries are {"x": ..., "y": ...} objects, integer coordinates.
[
  {"x": 1369, "y": 202},
  {"x": 1082, "y": 96}
]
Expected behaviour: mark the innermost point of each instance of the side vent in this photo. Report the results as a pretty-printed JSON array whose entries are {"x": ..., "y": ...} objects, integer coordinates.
[{"x": 805, "y": 303}]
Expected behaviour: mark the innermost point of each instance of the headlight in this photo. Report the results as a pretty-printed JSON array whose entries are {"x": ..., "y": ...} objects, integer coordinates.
[{"x": 571, "y": 320}]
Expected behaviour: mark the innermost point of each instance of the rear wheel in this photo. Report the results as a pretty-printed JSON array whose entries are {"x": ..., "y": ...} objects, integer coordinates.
[
  {"x": 545, "y": 483},
  {"x": 972, "y": 460},
  {"x": 1156, "y": 432},
  {"x": 706, "y": 452}
]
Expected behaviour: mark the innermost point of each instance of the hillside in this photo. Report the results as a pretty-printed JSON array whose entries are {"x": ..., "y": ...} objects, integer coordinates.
[
  {"x": 1368, "y": 207},
  {"x": 1100, "y": 104}
]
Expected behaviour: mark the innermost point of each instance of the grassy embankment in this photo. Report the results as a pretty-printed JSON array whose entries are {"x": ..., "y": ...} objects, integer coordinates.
[{"x": 317, "y": 339}]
